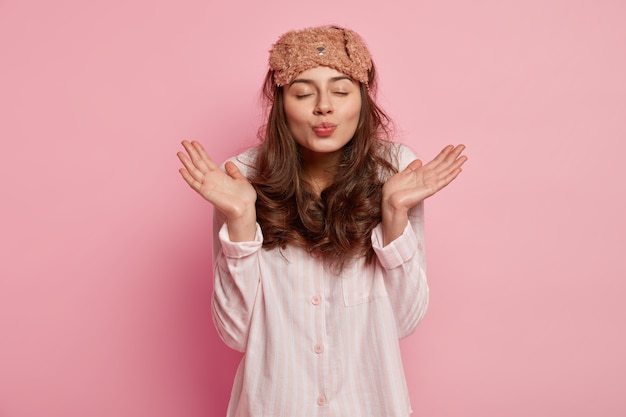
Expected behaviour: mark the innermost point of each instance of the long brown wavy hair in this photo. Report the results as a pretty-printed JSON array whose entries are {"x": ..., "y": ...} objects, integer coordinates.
[{"x": 338, "y": 224}]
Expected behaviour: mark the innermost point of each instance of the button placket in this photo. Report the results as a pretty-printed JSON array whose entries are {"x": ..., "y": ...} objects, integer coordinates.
[{"x": 319, "y": 339}]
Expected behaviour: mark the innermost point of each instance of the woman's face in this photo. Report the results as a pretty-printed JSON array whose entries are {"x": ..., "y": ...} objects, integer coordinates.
[{"x": 322, "y": 106}]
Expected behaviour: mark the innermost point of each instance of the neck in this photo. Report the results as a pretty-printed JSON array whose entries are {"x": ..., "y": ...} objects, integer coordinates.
[{"x": 319, "y": 169}]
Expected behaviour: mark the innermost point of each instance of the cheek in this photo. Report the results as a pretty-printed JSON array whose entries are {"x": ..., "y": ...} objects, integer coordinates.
[
  {"x": 294, "y": 122},
  {"x": 355, "y": 111},
  {"x": 293, "y": 114}
]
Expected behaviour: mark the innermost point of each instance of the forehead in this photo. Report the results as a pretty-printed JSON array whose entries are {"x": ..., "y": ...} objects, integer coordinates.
[{"x": 320, "y": 74}]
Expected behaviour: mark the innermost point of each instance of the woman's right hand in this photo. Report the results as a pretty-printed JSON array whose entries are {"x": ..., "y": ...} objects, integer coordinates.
[{"x": 230, "y": 192}]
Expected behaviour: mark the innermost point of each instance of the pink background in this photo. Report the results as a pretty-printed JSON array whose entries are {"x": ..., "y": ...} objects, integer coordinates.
[{"x": 105, "y": 270}]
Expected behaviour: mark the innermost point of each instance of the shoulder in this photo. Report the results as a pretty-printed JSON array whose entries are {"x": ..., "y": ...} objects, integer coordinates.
[
  {"x": 246, "y": 161},
  {"x": 399, "y": 154}
]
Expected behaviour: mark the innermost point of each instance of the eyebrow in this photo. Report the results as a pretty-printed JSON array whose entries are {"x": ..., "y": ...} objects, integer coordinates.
[{"x": 332, "y": 80}]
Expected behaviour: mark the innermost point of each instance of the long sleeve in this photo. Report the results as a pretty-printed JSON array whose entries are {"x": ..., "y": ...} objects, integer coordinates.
[
  {"x": 318, "y": 341},
  {"x": 404, "y": 272},
  {"x": 404, "y": 263},
  {"x": 236, "y": 278}
]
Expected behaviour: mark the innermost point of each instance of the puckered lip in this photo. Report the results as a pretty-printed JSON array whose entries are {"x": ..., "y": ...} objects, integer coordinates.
[{"x": 325, "y": 125}]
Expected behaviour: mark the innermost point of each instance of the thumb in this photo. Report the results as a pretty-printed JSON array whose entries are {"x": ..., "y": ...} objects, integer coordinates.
[
  {"x": 416, "y": 164},
  {"x": 233, "y": 171}
]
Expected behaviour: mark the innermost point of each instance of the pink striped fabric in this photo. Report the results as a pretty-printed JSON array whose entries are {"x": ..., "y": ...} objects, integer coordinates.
[{"x": 317, "y": 343}]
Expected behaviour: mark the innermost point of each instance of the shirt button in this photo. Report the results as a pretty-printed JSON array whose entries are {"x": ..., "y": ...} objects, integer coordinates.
[
  {"x": 318, "y": 348},
  {"x": 316, "y": 299},
  {"x": 321, "y": 400}
]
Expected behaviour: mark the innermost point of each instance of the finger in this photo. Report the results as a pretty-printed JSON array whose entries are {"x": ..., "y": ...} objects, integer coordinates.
[
  {"x": 445, "y": 180},
  {"x": 190, "y": 167},
  {"x": 447, "y": 158},
  {"x": 233, "y": 171},
  {"x": 414, "y": 165},
  {"x": 193, "y": 183},
  {"x": 204, "y": 155},
  {"x": 191, "y": 151},
  {"x": 457, "y": 163},
  {"x": 451, "y": 176},
  {"x": 440, "y": 158},
  {"x": 455, "y": 153},
  {"x": 198, "y": 156},
  {"x": 451, "y": 172}
]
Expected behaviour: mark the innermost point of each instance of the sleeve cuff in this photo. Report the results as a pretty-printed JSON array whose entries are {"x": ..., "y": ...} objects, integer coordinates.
[
  {"x": 239, "y": 249},
  {"x": 397, "y": 252}
]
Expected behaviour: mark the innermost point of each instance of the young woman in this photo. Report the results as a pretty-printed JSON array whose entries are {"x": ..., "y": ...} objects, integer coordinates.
[{"x": 319, "y": 264}]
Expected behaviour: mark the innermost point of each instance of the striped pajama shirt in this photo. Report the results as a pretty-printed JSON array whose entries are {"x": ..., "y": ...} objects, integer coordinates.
[{"x": 317, "y": 343}]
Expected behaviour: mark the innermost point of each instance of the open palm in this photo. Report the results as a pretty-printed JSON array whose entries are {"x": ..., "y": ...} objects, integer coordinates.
[
  {"x": 419, "y": 181},
  {"x": 230, "y": 192}
]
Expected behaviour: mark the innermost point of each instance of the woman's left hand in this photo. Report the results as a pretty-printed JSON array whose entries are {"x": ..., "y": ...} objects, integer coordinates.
[{"x": 419, "y": 181}]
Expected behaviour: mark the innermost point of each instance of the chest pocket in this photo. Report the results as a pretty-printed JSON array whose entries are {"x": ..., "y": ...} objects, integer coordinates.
[{"x": 362, "y": 286}]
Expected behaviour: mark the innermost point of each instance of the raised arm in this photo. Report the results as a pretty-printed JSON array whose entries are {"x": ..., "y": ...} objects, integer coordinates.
[
  {"x": 237, "y": 239},
  {"x": 414, "y": 184},
  {"x": 229, "y": 192}
]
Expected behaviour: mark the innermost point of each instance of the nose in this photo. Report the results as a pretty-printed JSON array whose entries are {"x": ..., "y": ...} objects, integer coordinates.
[{"x": 323, "y": 104}]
